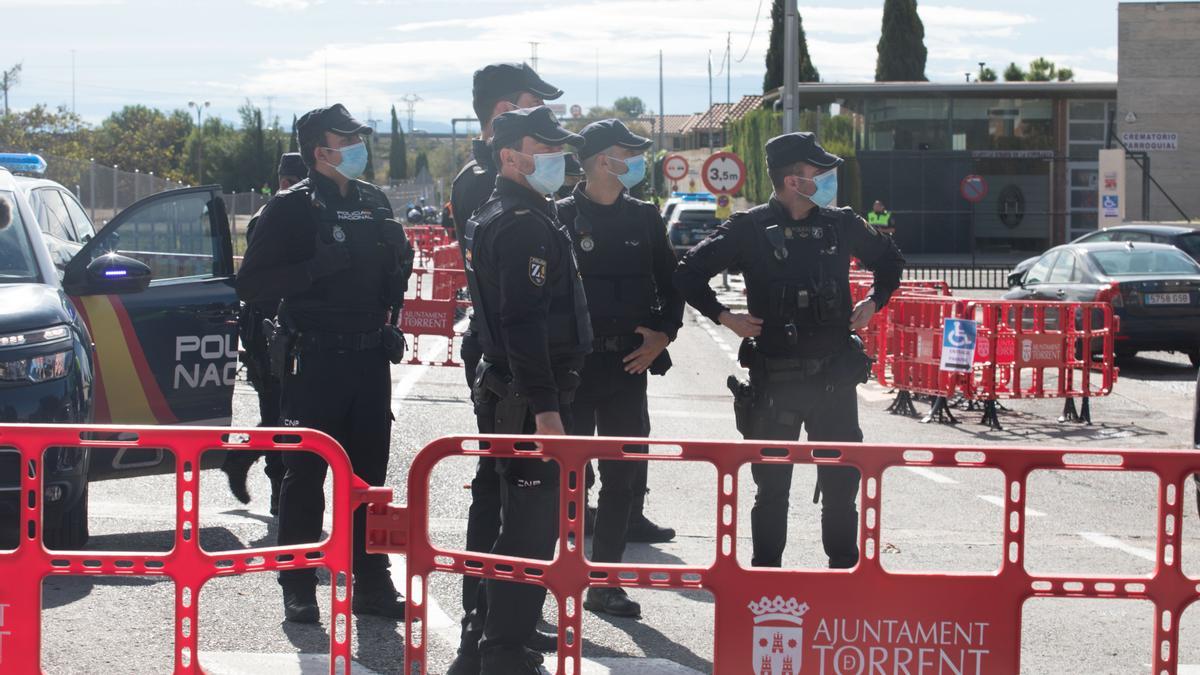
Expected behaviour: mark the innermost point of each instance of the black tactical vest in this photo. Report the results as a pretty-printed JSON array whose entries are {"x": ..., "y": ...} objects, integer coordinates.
[
  {"x": 616, "y": 261},
  {"x": 361, "y": 294},
  {"x": 568, "y": 326},
  {"x": 798, "y": 282}
]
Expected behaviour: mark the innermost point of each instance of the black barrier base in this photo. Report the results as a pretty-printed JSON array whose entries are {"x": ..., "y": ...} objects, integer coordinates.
[
  {"x": 1084, "y": 416},
  {"x": 991, "y": 415},
  {"x": 941, "y": 412},
  {"x": 903, "y": 405}
]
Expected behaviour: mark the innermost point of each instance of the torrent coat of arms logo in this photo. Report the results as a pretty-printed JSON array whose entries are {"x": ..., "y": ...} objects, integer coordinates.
[{"x": 778, "y": 635}]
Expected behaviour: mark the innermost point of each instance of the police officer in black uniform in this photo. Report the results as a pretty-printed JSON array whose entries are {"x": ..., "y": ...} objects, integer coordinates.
[
  {"x": 497, "y": 88},
  {"x": 331, "y": 248},
  {"x": 626, "y": 262},
  {"x": 258, "y": 367},
  {"x": 534, "y": 329},
  {"x": 804, "y": 366}
]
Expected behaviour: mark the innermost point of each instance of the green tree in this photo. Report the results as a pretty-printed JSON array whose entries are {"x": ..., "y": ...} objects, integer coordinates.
[
  {"x": 146, "y": 139},
  {"x": 397, "y": 152},
  {"x": 1014, "y": 73},
  {"x": 1041, "y": 69},
  {"x": 901, "y": 46},
  {"x": 254, "y": 165},
  {"x": 987, "y": 75},
  {"x": 630, "y": 106},
  {"x": 422, "y": 164},
  {"x": 1065, "y": 75},
  {"x": 774, "y": 77},
  {"x": 369, "y": 172},
  {"x": 55, "y": 133},
  {"x": 293, "y": 142}
]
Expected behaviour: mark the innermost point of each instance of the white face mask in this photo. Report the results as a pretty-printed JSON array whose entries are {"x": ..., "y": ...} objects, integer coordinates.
[{"x": 549, "y": 171}]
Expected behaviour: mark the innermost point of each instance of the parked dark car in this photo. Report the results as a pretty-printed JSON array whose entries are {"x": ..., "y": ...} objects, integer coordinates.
[
  {"x": 1154, "y": 290},
  {"x": 139, "y": 330},
  {"x": 1184, "y": 238}
]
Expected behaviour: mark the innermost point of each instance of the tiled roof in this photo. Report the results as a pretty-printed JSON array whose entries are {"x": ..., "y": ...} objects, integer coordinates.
[
  {"x": 672, "y": 124},
  {"x": 721, "y": 113}
]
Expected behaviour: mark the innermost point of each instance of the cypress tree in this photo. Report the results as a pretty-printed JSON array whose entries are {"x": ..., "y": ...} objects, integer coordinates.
[
  {"x": 293, "y": 142},
  {"x": 397, "y": 153},
  {"x": 369, "y": 172},
  {"x": 422, "y": 163},
  {"x": 901, "y": 47},
  {"x": 774, "y": 77}
]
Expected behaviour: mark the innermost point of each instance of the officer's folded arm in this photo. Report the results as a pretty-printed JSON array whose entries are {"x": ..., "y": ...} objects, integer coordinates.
[{"x": 277, "y": 263}]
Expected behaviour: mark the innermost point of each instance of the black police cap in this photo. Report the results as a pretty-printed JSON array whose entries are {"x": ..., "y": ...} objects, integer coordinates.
[
  {"x": 292, "y": 164},
  {"x": 503, "y": 79},
  {"x": 539, "y": 122},
  {"x": 335, "y": 118},
  {"x": 573, "y": 168},
  {"x": 604, "y": 134},
  {"x": 800, "y": 146}
]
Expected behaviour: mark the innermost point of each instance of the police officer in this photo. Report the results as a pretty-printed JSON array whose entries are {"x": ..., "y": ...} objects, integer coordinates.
[
  {"x": 332, "y": 250},
  {"x": 881, "y": 218},
  {"x": 534, "y": 329},
  {"x": 626, "y": 262},
  {"x": 496, "y": 88},
  {"x": 258, "y": 368},
  {"x": 804, "y": 366},
  {"x": 573, "y": 175}
]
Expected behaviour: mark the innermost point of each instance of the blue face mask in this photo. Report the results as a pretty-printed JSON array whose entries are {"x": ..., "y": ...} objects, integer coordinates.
[
  {"x": 549, "y": 172},
  {"x": 827, "y": 189},
  {"x": 636, "y": 170},
  {"x": 354, "y": 160}
]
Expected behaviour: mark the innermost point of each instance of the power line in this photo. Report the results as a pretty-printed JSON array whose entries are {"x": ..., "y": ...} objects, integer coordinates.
[
  {"x": 410, "y": 102},
  {"x": 757, "y": 16}
]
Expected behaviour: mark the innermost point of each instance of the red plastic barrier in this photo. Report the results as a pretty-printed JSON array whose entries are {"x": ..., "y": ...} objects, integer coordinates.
[
  {"x": 432, "y": 310},
  {"x": 23, "y": 570},
  {"x": 864, "y": 620}
]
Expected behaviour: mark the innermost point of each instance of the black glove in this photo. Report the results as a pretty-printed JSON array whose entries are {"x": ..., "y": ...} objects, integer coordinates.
[
  {"x": 392, "y": 234},
  {"x": 328, "y": 258}
]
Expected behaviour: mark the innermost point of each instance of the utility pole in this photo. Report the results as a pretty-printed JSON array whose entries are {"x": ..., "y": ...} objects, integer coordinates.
[
  {"x": 410, "y": 102},
  {"x": 982, "y": 64},
  {"x": 10, "y": 79},
  {"x": 710, "y": 102},
  {"x": 199, "y": 139},
  {"x": 597, "y": 78},
  {"x": 728, "y": 85},
  {"x": 72, "y": 83},
  {"x": 533, "y": 59},
  {"x": 271, "y": 111},
  {"x": 791, "y": 67},
  {"x": 326, "y": 52},
  {"x": 661, "y": 116}
]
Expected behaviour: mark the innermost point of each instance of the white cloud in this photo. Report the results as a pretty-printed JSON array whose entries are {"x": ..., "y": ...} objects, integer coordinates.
[{"x": 289, "y": 5}]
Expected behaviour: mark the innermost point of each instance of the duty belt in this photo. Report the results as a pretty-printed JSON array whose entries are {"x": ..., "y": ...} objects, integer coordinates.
[
  {"x": 616, "y": 343},
  {"x": 352, "y": 342},
  {"x": 774, "y": 369},
  {"x": 498, "y": 380}
]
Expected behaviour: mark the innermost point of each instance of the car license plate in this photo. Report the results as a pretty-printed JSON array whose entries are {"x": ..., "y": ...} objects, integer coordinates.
[{"x": 1168, "y": 299}]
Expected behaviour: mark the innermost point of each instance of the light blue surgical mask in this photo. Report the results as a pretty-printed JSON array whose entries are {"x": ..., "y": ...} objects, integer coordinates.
[
  {"x": 827, "y": 189},
  {"x": 635, "y": 170},
  {"x": 354, "y": 160},
  {"x": 549, "y": 172}
]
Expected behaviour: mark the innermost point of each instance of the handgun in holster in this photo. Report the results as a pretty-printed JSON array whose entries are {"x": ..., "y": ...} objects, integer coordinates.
[
  {"x": 511, "y": 408},
  {"x": 393, "y": 340},
  {"x": 281, "y": 340},
  {"x": 743, "y": 405}
]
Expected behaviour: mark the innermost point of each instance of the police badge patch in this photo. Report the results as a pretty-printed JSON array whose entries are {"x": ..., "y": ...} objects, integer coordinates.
[
  {"x": 339, "y": 235},
  {"x": 587, "y": 244},
  {"x": 537, "y": 272}
]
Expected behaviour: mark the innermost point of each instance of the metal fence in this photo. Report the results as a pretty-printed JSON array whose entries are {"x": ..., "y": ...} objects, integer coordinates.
[
  {"x": 104, "y": 191},
  {"x": 969, "y": 277}
]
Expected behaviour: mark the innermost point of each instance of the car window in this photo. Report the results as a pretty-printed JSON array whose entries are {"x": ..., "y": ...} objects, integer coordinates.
[
  {"x": 1102, "y": 235},
  {"x": 1159, "y": 261},
  {"x": 16, "y": 253},
  {"x": 698, "y": 218},
  {"x": 1064, "y": 270},
  {"x": 173, "y": 237},
  {"x": 1126, "y": 235},
  {"x": 670, "y": 208},
  {"x": 1190, "y": 244},
  {"x": 1041, "y": 269},
  {"x": 79, "y": 218},
  {"x": 51, "y": 214}
]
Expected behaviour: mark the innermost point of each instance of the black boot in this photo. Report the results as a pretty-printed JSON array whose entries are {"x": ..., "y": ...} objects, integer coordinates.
[
  {"x": 236, "y": 469},
  {"x": 542, "y": 642},
  {"x": 612, "y": 601},
  {"x": 376, "y": 595},
  {"x": 511, "y": 661},
  {"x": 276, "y": 488},
  {"x": 466, "y": 663},
  {"x": 641, "y": 529},
  {"x": 300, "y": 604}
]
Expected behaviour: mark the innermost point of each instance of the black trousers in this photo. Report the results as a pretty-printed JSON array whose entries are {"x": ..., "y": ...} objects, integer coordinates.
[
  {"x": 505, "y": 613},
  {"x": 346, "y": 394},
  {"x": 612, "y": 402},
  {"x": 829, "y": 414},
  {"x": 269, "y": 392},
  {"x": 483, "y": 518}
]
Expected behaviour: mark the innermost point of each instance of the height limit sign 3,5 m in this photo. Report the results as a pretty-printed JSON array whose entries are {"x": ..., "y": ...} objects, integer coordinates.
[{"x": 723, "y": 173}]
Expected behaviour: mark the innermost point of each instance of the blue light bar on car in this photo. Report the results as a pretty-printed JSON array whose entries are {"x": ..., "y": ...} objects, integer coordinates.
[
  {"x": 22, "y": 162},
  {"x": 694, "y": 196}
]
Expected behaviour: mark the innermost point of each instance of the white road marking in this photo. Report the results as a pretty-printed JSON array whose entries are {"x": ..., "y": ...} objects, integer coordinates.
[
  {"x": 999, "y": 501},
  {"x": 437, "y": 621},
  {"x": 634, "y": 666},
  {"x": 931, "y": 475},
  {"x": 250, "y": 663},
  {"x": 413, "y": 374},
  {"x": 1105, "y": 541}
]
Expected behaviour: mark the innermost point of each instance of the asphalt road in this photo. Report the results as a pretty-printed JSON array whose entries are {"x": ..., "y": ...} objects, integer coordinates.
[{"x": 932, "y": 520}]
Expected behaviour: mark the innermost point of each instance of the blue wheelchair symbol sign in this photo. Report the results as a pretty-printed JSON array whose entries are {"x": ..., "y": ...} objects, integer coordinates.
[
  {"x": 958, "y": 345},
  {"x": 1110, "y": 201}
]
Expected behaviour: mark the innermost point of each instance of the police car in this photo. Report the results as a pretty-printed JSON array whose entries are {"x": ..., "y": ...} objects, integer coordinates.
[
  {"x": 136, "y": 327},
  {"x": 64, "y": 223}
]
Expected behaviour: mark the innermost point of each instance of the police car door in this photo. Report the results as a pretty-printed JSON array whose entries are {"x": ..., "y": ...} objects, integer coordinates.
[{"x": 166, "y": 354}]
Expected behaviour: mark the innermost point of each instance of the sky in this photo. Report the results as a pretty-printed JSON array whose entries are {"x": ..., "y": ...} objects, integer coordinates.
[{"x": 288, "y": 56}]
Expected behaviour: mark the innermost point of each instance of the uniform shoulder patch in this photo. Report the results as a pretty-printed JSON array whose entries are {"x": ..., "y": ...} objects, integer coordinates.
[{"x": 537, "y": 271}]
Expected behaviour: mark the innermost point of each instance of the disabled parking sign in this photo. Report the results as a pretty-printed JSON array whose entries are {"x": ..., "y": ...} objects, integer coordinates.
[{"x": 958, "y": 345}]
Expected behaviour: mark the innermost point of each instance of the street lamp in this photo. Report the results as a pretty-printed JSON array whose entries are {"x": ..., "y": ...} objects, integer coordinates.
[{"x": 199, "y": 139}]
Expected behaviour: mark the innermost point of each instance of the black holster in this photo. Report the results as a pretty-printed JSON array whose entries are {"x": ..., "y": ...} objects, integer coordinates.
[
  {"x": 394, "y": 343},
  {"x": 511, "y": 408},
  {"x": 280, "y": 343},
  {"x": 744, "y": 400},
  {"x": 851, "y": 366}
]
